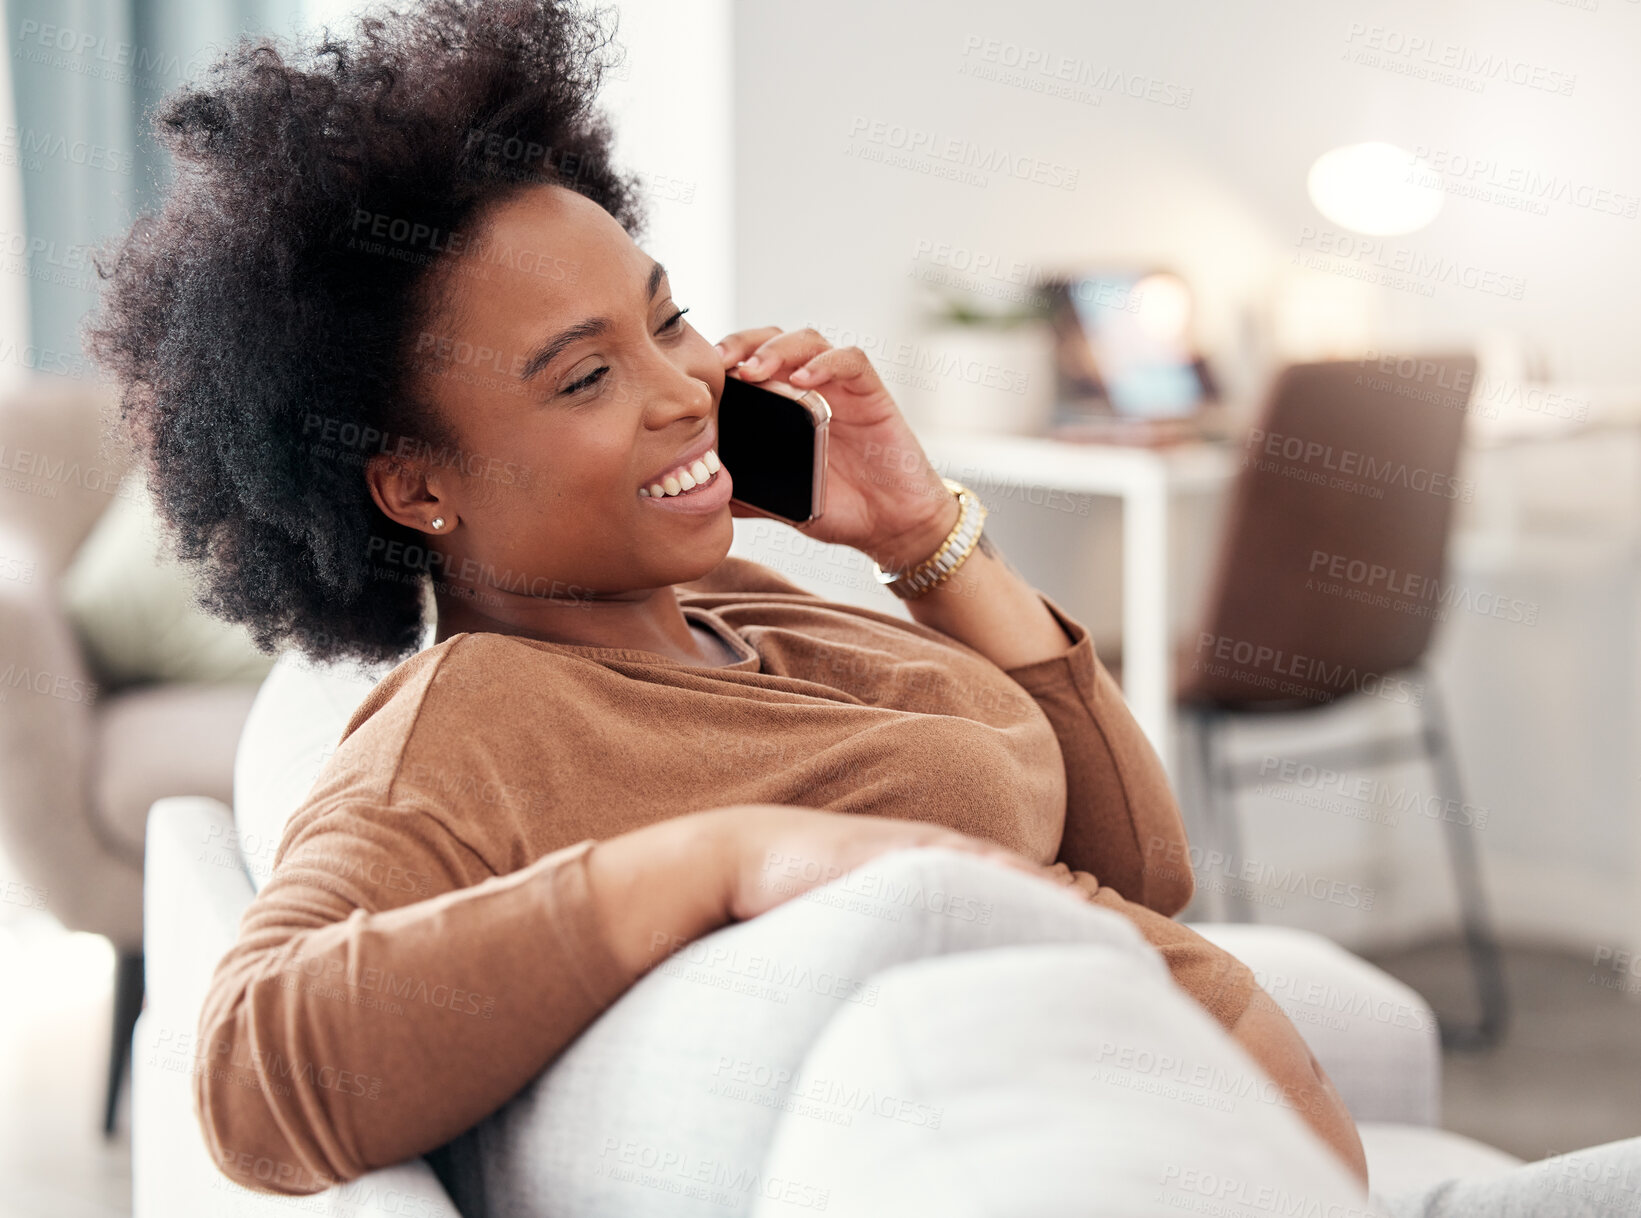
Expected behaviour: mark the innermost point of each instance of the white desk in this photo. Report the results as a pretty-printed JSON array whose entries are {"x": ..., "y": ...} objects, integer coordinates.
[{"x": 1146, "y": 480}]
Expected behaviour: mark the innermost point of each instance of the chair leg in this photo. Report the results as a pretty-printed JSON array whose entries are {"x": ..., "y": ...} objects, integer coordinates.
[
  {"x": 1193, "y": 797},
  {"x": 1219, "y": 812},
  {"x": 1482, "y": 944},
  {"x": 128, "y": 987},
  {"x": 1192, "y": 793}
]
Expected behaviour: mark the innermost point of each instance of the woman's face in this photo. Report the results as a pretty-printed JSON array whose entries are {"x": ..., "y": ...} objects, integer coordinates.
[{"x": 570, "y": 380}]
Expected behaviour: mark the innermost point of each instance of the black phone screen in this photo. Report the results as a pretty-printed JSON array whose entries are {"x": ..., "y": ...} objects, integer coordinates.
[{"x": 767, "y": 442}]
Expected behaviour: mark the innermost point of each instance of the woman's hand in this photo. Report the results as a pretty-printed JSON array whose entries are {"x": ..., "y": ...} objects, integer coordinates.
[
  {"x": 883, "y": 497},
  {"x": 776, "y": 852},
  {"x": 665, "y": 884}
]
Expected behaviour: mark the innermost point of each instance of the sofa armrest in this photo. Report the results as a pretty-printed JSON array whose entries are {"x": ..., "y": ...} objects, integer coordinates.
[
  {"x": 172, "y": 1172},
  {"x": 195, "y": 892},
  {"x": 1375, "y": 1036}
]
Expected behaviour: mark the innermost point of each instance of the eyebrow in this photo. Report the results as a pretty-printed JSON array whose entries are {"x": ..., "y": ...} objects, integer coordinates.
[{"x": 590, "y": 328}]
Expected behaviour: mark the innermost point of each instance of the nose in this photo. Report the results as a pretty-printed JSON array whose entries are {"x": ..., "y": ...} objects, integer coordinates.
[{"x": 677, "y": 391}]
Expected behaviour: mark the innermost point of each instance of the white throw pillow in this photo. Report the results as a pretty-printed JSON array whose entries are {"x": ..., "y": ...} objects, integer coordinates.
[
  {"x": 133, "y": 608},
  {"x": 1071, "y": 1081},
  {"x": 293, "y": 728}
]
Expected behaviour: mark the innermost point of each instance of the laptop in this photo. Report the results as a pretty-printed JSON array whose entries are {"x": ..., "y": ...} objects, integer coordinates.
[{"x": 1125, "y": 368}]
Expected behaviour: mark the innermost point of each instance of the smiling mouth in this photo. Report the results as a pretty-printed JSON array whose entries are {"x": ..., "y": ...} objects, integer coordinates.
[{"x": 686, "y": 478}]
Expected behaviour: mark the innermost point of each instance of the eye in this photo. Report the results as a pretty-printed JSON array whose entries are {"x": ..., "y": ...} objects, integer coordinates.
[
  {"x": 672, "y": 325},
  {"x": 592, "y": 378}
]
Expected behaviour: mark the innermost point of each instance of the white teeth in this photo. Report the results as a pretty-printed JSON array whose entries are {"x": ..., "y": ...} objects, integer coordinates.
[{"x": 685, "y": 478}]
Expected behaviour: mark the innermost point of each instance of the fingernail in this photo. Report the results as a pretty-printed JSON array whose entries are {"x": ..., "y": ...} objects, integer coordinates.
[
  {"x": 720, "y": 349},
  {"x": 802, "y": 374},
  {"x": 749, "y": 363}
]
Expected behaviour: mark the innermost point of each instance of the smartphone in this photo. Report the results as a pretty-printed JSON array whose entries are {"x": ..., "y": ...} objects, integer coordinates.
[{"x": 772, "y": 439}]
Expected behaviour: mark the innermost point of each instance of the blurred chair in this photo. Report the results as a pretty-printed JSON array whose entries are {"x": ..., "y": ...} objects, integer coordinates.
[
  {"x": 1328, "y": 578},
  {"x": 81, "y": 763}
]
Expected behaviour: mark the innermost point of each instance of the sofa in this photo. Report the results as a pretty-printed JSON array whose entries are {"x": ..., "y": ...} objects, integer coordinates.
[
  {"x": 1375, "y": 1036},
  {"x": 85, "y": 750}
]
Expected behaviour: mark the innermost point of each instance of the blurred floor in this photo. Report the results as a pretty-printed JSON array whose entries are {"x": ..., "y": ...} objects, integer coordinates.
[
  {"x": 54, "y": 1161},
  {"x": 1565, "y": 1077}
]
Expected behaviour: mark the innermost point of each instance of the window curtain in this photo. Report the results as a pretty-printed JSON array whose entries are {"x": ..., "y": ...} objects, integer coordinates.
[{"x": 85, "y": 75}]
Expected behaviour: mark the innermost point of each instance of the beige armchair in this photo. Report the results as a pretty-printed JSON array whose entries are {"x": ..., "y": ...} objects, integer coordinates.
[{"x": 82, "y": 760}]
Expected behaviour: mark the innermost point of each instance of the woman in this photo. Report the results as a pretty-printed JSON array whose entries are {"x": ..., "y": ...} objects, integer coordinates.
[{"x": 390, "y": 341}]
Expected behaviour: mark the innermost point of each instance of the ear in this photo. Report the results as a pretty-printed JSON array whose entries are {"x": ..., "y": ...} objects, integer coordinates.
[{"x": 407, "y": 493}]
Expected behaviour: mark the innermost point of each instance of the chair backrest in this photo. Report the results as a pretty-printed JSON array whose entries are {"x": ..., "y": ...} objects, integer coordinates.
[
  {"x": 64, "y": 460},
  {"x": 1329, "y": 575}
]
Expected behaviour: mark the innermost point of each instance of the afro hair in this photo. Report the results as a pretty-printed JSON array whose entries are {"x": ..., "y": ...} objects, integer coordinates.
[{"x": 275, "y": 296}]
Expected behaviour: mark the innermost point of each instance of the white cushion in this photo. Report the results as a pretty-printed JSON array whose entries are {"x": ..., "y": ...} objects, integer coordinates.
[
  {"x": 1046, "y": 1065},
  {"x": 132, "y": 604},
  {"x": 1374, "y": 1035},
  {"x": 1405, "y": 1158},
  {"x": 294, "y": 726}
]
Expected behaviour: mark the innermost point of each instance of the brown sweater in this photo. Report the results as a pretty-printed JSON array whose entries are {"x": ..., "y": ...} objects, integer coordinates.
[{"x": 426, "y": 943}]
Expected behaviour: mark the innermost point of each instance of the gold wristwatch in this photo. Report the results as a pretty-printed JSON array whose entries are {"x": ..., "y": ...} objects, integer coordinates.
[{"x": 959, "y": 544}]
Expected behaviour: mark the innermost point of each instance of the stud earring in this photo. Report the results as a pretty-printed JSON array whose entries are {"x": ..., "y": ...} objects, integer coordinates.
[{"x": 438, "y": 522}]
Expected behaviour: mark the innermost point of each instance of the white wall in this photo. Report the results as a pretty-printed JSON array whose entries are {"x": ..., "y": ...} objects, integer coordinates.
[
  {"x": 1216, "y": 187},
  {"x": 669, "y": 104}
]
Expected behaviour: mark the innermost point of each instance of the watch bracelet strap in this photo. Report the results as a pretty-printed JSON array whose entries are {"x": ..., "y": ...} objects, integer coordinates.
[{"x": 953, "y": 552}]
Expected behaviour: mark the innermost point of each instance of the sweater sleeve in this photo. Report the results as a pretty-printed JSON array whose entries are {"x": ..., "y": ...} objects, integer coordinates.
[
  {"x": 1122, "y": 822},
  {"x": 387, "y": 992}
]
